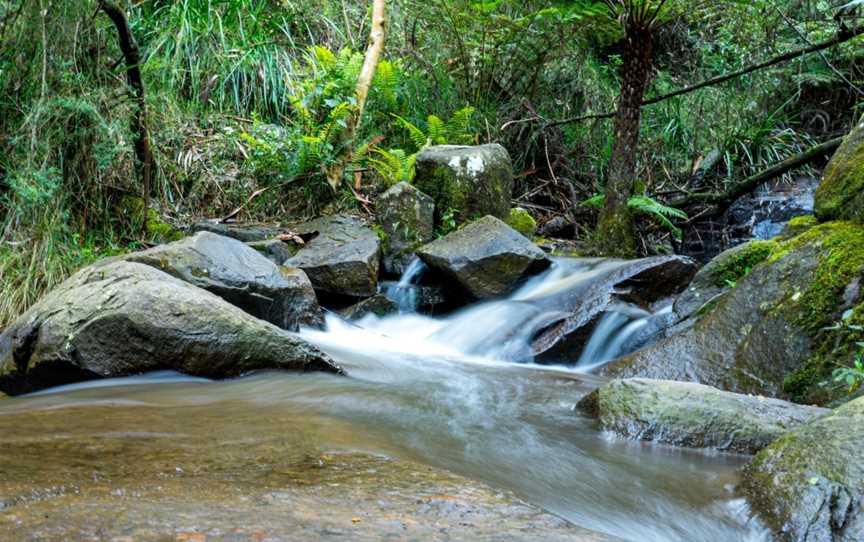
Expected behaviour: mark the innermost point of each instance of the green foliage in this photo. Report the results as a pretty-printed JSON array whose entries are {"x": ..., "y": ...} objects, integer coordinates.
[
  {"x": 646, "y": 206},
  {"x": 852, "y": 377}
]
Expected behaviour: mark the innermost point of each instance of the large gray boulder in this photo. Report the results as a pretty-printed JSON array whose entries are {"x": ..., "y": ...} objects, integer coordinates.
[
  {"x": 407, "y": 218},
  {"x": 693, "y": 415},
  {"x": 474, "y": 181},
  {"x": 238, "y": 274},
  {"x": 124, "y": 318},
  {"x": 809, "y": 484},
  {"x": 768, "y": 335},
  {"x": 342, "y": 258},
  {"x": 487, "y": 257}
]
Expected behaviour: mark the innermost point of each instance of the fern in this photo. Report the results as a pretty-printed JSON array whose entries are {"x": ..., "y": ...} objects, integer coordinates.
[
  {"x": 436, "y": 130},
  {"x": 459, "y": 127},
  {"x": 418, "y": 136},
  {"x": 644, "y": 205},
  {"x": 393, "y": 165}
]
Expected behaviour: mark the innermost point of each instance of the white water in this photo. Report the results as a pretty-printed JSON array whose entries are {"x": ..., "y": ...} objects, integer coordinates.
[{"x": 440, "y": 391}]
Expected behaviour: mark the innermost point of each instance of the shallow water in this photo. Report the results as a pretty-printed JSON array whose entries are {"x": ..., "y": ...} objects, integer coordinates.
[{"x": 414, "y": 392}]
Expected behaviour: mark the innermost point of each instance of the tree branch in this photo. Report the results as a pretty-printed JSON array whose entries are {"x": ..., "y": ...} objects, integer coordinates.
[{"x": 842, "y": 36}]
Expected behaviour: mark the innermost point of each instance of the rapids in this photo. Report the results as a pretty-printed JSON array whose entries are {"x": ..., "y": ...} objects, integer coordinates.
[{"x": 446, "y": 392}]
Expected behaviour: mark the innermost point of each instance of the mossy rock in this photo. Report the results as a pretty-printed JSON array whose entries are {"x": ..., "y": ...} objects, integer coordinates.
[
  {"x": 809, "y": 484},
  {"x": 521, "y": 220},
  {"x": 774, "y": 333},
  {"x": 840, "y": 196},
  {"x": 153, "y": 225},
  {"x": 693, "y": 415},
  {"x": 797, "y": 226},
  {"x": 473, "y": 181}
]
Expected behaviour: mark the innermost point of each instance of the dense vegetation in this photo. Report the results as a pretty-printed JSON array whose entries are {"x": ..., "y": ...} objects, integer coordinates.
[{"x": 247, "y": 104}]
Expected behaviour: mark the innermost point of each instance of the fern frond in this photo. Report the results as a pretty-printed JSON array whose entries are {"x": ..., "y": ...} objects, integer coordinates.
[
  {"x": 459, "y": 127},
  {"x": 418, "y": 137},
  {"x": 436, "y": 130}
]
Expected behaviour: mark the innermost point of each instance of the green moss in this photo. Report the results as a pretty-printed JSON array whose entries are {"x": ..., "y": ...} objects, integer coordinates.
[
  {"x": 522, "y": 221},
  {"x": 738, "y": 264},
  {"x": 155, "y": 228},
  {"x": 841, "y": 193},
  {"x": 797, "y": 226},
  {"x": 840, "y": 249}
]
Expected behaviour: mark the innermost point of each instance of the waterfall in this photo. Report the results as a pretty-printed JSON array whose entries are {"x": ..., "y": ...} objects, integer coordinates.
[{"x": 404, "y": 292}]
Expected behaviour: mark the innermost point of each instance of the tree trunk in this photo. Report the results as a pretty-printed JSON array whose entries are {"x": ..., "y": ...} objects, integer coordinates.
[
  {"x": 615, "y": 231},
  {"x": 364, "y": 83},
  {"x": 132, "y": 58}
]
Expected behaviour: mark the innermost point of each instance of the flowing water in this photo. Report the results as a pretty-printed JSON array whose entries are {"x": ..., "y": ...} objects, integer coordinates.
[{"x": 440, "y": 391}]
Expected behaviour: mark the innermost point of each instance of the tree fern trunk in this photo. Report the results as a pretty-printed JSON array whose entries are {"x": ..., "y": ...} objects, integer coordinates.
[{"x": 615, "y": 231}]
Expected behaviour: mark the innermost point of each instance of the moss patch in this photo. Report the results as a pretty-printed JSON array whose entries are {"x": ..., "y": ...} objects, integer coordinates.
[
  {"x": 835, "y": 288},
  {"x": 840, "y": 196},
  {"x": 154, "y": 226},
  {"x": 739, "y": 263},
  {"x": 522, "y": 221}
]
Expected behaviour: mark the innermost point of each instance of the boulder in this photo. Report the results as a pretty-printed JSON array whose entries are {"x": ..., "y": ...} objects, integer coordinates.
[
  {"x": 238, "y": 274},
  {"x": 248, "y": 233},
  {"x": 123, "y": 318},
  {"x": 473, "y": 181},
  {"x": 769, "y": 335},
  {"x": 693, "y": 415},
  {"x": 720, "y": 275},
  {"x": 342, "y": 258},
  {"x": 487, "y": 257},
  {"x": 379, "y": 305},
  {"x": 809, "y": 484},
  {"x": 840, "y": 195},
  {"x": 407, "y": 218}
]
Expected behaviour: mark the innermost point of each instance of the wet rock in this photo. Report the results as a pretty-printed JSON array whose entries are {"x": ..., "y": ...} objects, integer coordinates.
[
  {"x": 275, "y": 250},
  {"x": 248, "y": 233},
  {"x": 840, "y": 195},
  {"x": 407, "y": 218},
  {"x": 558, "y": 227},
  {"x": 487, "y": 257},
  {"x": 720, "y": 275},
  {"x": 238, "y": 274},
  {"x": 379, "y": 305},
  {"x": 474, "y": 181},
  {"x": 809, "y": 484},
  {"x": 767, "y": 335},
  {"x": 342, "y": 258},
  {"x": 693, "y": 415},
  {"x": 123, "y": 318}
]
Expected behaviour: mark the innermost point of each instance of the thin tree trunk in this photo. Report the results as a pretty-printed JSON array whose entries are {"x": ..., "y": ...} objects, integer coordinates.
[
  {"x": 132, "y": 56},
  {"x": 615, "y": 228},
  {"x": 364, "y": 83}
]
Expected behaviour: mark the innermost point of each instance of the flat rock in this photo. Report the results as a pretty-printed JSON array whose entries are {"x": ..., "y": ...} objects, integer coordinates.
[
  {"x": 809, "y": 484},
  {"x": 342, "y": 258},
  {"x": 247, "y": 233},
  {"x": 124, "y": 318},
  {"x": 473, "y": 181},
  {"x": 693, "y": 415},
  {"x": 275, "y": 250},
  {"x": 238, "y": 274},
  {"x": 487, "y": 257}
]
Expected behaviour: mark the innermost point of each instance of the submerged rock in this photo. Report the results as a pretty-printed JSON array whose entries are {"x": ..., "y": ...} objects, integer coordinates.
[
  {"x": 407, "y": 218},
  {"x": 342, "y": 259},
  {"x": 769, "y": 335},
  {"x": 124, "y": 318},
  {"x": 487, "y": 257},
  {"x": 840, "y": 196},
  {"x": 238, "y": 274},
  {"x": 809, "y": 484},
  {"x": 473, "y": 181},
  {"x": 693, "y": 415}
]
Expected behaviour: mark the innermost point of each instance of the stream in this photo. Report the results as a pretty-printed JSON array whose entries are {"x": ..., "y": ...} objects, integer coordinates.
[{"x": 454, "y": 392}]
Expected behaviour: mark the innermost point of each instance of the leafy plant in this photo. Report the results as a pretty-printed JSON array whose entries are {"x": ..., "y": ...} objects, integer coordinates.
[
  {"x": 852, "y": 377},
  {"x": 647, "y": 206}
]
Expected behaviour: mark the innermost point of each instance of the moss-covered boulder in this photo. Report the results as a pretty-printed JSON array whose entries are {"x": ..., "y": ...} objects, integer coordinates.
[
  {"x": 721, "y": 274},
  {"x": 840, "y": 196},
  {"x": 342, "y": 257},
  {"x": 776, "y": 332},
  {"x": 124, "y": 318},
  {"x": 472, "y": 181},
  {"x": 809, "y": 484},
  {"x": 406, "y": 217},
  {"x": 521, "y": 220},
  {"x": 238, "y": 274},
  {"x": 693, "y": 415},
  {"x": 487, "y": 257}
]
